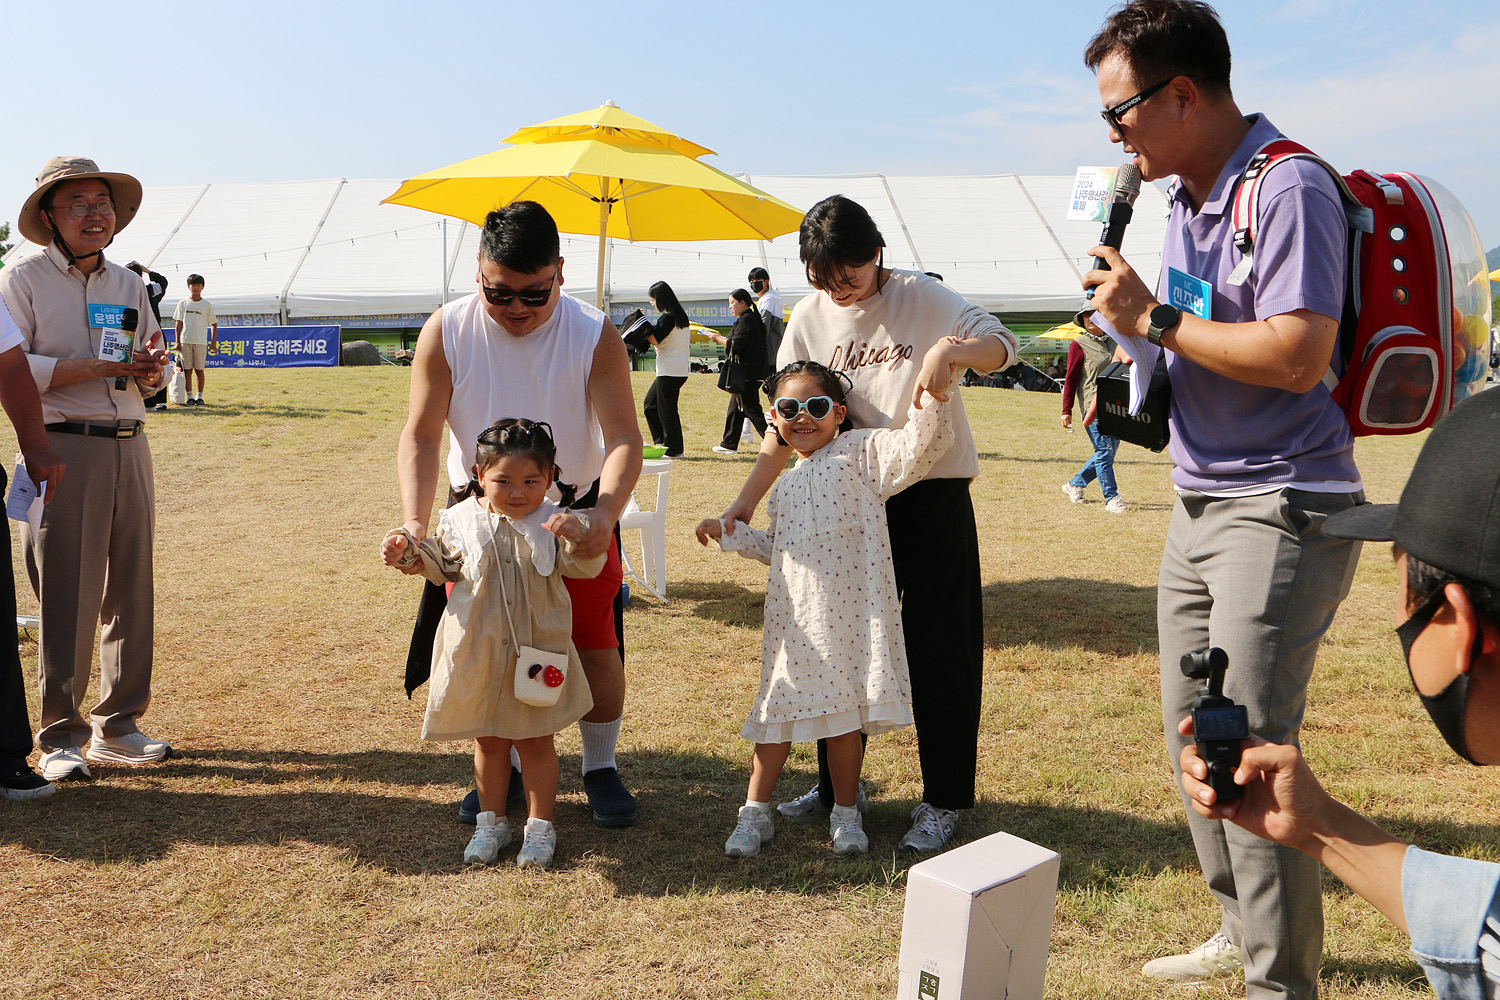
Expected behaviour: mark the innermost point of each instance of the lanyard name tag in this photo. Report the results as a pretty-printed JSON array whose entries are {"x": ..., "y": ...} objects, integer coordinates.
[
  {"x": 105, "y": 314},
  {"x": 1189, "y": 294}
]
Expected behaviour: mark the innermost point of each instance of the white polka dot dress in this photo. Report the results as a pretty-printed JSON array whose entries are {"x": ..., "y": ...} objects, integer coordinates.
[{"x": 834, "y": 655}]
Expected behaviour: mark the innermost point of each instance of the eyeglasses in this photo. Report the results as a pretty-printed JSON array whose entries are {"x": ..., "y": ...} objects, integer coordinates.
[
  {"x": 817, "y": 407},
  {"x": 1112, "y": 115},
  {"x": 81, "y": 209},
  {"x": 533, "y": 298}
]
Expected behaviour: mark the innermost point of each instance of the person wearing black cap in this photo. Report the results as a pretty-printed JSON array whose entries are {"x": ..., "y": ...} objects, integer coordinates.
[{"x": 1446, "y": 543}]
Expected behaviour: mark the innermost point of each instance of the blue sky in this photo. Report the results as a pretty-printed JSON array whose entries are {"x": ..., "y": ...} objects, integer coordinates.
[{"x": 194, "y": 92}]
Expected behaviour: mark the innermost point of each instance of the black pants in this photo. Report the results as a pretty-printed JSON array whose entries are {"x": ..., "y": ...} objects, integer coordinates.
[
  {"x": 661, "y": 412},
  {"x": 935, "y": 553},
  {"x": 15, "y": 727},
  {"x": 743, "y": 405}
]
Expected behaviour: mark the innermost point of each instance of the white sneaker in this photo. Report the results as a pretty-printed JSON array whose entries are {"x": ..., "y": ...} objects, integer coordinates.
[
  {"x": 538, "y": 844},
  {"x": 1074, "y": 493},
  {"x": 1116, "y": 505},
  {"x": 806, "y": 808},
  {"x": 132, "y": 748},
  {"x": 65, "y": 764},
  {"x": 491, "y": 833},
  {"x": 1212, "y": 959},
  {"x": 720, "y": 449},
  {"x": 846, "y": 828},
  {"x": 753, "y": 828},
  {"x": 931, "y": 828}
]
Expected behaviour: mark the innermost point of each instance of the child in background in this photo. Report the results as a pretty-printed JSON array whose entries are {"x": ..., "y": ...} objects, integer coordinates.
[
  {"x": 834, "y": 655},
  {"x": 505, "y": 552}
]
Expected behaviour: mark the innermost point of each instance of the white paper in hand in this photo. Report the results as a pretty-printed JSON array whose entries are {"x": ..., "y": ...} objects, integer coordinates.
[
  {"x": 1143, "y": 355},
  {"x": 25, "y": 500}
]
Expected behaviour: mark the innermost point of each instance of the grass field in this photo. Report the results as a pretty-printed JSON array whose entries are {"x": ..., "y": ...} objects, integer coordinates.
[{"x": 304, "y": 843}]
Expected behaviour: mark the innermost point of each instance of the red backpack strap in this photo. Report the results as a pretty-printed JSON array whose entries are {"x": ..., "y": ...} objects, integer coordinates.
[{"x": 1246, "y": 217}]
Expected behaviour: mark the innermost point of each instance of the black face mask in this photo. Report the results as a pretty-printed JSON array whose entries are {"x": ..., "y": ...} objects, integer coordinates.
[
  {"x": 1446, "y": 708},
  {"x": 757, "y": 286}
]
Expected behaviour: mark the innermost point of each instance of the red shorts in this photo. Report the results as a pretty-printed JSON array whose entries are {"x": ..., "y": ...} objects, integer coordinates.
[{"x": 594, "y": 603}]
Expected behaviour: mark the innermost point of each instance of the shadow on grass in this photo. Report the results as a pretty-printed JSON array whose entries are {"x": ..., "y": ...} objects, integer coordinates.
[
  {"x": 286, "y": 411},
  {"x": 727, "y": 603},
  {"x": 232, "y": 798},
  {"x": 1385, "y": 974},
  {"x": 1110, "y": 617},
  {"x": 1073, "y": 461}
]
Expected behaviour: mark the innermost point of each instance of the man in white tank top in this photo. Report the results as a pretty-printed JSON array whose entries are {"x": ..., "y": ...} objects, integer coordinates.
[{"x": 519, "y": 347}]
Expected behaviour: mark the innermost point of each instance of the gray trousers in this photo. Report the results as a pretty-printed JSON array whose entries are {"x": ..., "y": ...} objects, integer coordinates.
[
  {"x": 90, "y": 565},
  {"x": 1257, "y": 577}
]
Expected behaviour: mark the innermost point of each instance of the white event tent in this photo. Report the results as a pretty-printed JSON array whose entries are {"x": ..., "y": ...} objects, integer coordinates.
[{"x": 327, "y": 251}]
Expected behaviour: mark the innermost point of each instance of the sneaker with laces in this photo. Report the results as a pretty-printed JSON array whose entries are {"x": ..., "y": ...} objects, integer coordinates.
[
  {"x": 1212, "y": 959},
  {"x": 753, "y": 828},
  {"x": 1073, "y": 493},
  {"x": 806, "y": 808},
  {"x": 846, "y": 829},
  {"x": 491, "y": 833},
  {"x": 931, "y": 828},
  {"x": 1115, "y": 505},
  {"x": 65, "y": 764},
  {"x": 132, "y": 748},
  {"x": 538, "y": 844},
  {"x": 19, "y": 784}
]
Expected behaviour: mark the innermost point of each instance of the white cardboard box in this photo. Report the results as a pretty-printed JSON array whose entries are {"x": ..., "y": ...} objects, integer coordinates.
[{"x": 978, "y": 922}]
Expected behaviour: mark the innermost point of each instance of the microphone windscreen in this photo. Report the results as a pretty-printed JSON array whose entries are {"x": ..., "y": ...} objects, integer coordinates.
[{"x": 1128, "y": 183}]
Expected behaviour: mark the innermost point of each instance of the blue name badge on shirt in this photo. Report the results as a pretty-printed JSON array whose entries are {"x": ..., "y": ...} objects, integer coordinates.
[
  {"x": 1190, "y": 294},
  {"x": 103, "y": 314}
]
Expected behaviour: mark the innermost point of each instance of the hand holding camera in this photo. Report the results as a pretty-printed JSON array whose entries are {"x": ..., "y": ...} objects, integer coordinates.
[{"x": 1219, "y": 725}]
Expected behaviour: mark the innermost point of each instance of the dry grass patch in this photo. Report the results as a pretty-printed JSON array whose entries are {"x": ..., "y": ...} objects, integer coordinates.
[{"x": 304, "y": 844}]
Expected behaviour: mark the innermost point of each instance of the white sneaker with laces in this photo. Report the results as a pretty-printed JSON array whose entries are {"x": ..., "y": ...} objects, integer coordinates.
[
  {"x": 538, "y": 844},
  {"x": 491, "y": 833},
  {"x": 1073, "y": 493},
  {"x": 846, "y": 829},
  {"x": 1212, "y": 959},
  {"x": 753, "y": 828},
  {"x": 64, "y": 764},
  {"x": 806, "y": 808},
  {"x": 931, "y": 828},
  {"x": 132, "y": 748},
  {"x": 1116, "y": 505}
]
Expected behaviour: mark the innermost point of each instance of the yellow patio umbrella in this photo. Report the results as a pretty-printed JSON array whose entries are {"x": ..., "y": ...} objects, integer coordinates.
[
  {"x": 607, "y": 173},
  {"x": 1055, "y": 340}
]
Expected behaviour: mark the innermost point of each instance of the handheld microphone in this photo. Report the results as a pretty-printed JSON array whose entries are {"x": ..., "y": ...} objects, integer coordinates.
[
  {"x": 1127, "y": 189},
  {"x": 128, "y": 322}
]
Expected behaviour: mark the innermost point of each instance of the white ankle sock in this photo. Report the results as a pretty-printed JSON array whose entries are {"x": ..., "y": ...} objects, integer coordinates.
[
  {"x": 762, "y": 806},
  {"x": 599, "y": 739}
]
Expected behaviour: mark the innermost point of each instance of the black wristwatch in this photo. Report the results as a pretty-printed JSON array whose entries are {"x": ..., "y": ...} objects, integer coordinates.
[{"x": 1163, "y": 318}]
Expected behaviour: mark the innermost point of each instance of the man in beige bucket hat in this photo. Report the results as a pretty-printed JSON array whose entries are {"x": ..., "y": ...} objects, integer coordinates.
[{"x": 90, "y": 560}]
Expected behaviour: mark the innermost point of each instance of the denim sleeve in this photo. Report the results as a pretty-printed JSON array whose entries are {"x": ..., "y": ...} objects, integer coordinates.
[{"x": 1454, "y": 919}]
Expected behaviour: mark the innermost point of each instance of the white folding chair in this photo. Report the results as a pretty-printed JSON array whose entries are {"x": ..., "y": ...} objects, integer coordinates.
[{"x": 652, "y": 524}]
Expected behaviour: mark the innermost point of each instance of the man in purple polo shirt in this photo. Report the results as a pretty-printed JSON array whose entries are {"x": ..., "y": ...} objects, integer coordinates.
[{"x": 1261, "y": 455}]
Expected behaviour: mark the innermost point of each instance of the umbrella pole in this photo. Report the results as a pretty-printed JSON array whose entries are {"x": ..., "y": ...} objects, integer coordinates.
[{"x": 603, "y": 229}]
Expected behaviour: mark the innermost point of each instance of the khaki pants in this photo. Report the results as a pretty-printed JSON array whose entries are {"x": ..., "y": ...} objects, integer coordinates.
[{"x": 91, "y": 564}]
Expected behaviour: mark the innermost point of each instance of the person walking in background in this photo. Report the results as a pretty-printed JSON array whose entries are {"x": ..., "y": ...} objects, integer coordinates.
[
  {"x": 18, "y": 395},
  {"x": 896, "y": 334},
  {"x": 197, "y": 334},
  {"x": 1261, "y": 454},
  {"x": 1088, "y": 355},
  {"x": 506, "y": 552},
  {"x": 745, "y": 365},
  {"x": 91, "y": 559},
  {"x": 772, "y": 309},
  {"x": 833, "y": 655},
  {"x": 672, "y": 339}
]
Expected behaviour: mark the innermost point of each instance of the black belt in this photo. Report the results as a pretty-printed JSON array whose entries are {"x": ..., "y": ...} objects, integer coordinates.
[{"x": 94, "y": 428}]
